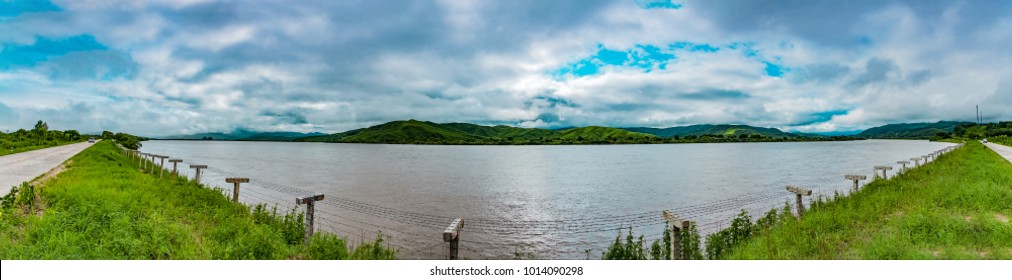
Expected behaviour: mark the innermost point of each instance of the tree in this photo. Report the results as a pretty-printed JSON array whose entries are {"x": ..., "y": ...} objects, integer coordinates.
[
  {"x": 107, "y": 134},
  {"x": 72, "y": 135},
  {"x": 40, "y": 130},
  {"x": 959, "y": 130}
]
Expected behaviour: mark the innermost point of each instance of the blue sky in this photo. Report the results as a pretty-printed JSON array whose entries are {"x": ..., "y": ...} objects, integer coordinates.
[{"x": 172, "y": 67}]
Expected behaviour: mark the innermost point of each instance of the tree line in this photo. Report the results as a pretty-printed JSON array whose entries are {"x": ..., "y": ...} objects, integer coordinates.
[
  {"x": 972, "y": 131},
  {"x": 40, "y": 136}
]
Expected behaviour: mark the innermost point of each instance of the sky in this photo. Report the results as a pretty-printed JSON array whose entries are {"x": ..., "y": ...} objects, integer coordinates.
[{"x": 161, "y": 67}]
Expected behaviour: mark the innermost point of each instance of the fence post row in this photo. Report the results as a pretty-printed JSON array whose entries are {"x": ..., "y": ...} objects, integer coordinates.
[
  {"x": 196, "y": 177},
  {"x": 452, "y": 235},
  {"x": 799, "y": 192},
  {"x": 855, "y": 178},
  {"x": 904, "y": 163},
  {"x": 174, "y": 162},
  {"x": 235, "y": 189},
  {"x": 677, "y": 224},
  {"x": 309, "y": 201},
  {"x": 883, "y": 168}
]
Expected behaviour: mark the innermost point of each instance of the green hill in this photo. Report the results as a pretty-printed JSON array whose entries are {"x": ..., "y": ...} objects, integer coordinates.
[
  {"x": 410, "y": 131},
  {"x": 712, "y": 129},
  {"x": 599, "y": 133},
  {"x": 502, "y": 131},
  {"x": 909, "y": 130}
]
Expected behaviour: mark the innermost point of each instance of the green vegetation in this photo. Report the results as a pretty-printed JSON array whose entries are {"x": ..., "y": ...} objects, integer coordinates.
[
  {"x": 910, "y": 130},
  {"x": 128, "y": 141},
  {"x": 421, "y": 132},
  {"x": 1004, "y": 140},
  {"x": 970, "y": 131},
  {"x": 957, "y": 207},
  {"x": 726, "y": 130},
  {"x": 103, "y": 207},
  {"x": 39, "y": 137}
]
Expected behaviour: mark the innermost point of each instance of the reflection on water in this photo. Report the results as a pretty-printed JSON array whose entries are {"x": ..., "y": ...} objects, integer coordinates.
[{"x": 552, "y": 201}]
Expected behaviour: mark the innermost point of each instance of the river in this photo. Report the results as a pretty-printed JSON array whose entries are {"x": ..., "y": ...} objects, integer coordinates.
[{"x": 546, "y": 202}]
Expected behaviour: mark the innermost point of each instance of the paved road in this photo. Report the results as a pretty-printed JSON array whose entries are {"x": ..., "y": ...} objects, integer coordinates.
[
  {"x": 23, "y": 167},
  {"x": 1004, "y": 151}
]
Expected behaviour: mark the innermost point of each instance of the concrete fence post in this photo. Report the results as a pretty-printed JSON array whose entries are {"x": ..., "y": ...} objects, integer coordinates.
[
  {"x": 798, "y": 191},
  {"x": 196, "y": 177},
  {"x": 452, "y": 235},
  {"x": 917, "y": 161},
  {"x": 235, "y": 186},
  {"x": 855, "y": 178},
  {"x": 883, "y": 168},
  {"x": 677, "y": 224},
  {"x": 151, "y": 163},
  {"x": 904, "y": 163},
  {"x": 161, "y": 166},
  {"x": 174, "y": 162},
  {"x": 309, "y": 201}
]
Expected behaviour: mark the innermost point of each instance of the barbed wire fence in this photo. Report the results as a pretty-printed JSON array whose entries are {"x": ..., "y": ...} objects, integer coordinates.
[{"x": 418, "y": 235}]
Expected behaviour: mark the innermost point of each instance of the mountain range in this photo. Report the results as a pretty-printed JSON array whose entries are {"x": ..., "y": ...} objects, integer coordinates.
[
  {"x": 712, "y": 129},
  {"x": 424, "y": 132},
  {"x": 909, "y": 130},
  {"x": 243, "y": 135}
]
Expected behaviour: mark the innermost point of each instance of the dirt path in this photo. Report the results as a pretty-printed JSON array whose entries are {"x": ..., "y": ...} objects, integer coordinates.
[
  {"x": 1002, "y": 150},
  {"x": 23, "y": 167}
]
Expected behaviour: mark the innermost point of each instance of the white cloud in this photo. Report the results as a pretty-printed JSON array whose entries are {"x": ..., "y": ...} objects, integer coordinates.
[{"x": 332, "y": 66}]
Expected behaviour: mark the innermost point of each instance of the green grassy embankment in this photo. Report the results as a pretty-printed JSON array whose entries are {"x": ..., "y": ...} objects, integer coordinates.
[
  {"x": 1004, "y": 140},
  {"x": 957, "y": 207},
  {"x": 103, "y": 207}
]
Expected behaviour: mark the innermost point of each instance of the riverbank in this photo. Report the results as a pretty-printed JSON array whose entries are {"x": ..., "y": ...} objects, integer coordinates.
[
  {"x": 957, "y": 207},
  {"x": 102, "y": 206}
]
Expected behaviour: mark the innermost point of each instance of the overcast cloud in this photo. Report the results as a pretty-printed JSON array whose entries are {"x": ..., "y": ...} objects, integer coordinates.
[{"x": 172, "y": 67}]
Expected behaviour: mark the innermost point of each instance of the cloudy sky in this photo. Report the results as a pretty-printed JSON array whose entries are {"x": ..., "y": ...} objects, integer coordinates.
[{"x": 187, "y": 66}]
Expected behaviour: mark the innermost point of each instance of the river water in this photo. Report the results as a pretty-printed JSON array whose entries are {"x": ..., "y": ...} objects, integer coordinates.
[{"x": 545, "y": 202}]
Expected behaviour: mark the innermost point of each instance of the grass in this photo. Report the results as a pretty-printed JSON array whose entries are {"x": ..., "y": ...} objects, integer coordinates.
[
  {"x": 46, "y": 144},
  {"x": 1004, "y": 140},
  {"x": 955, "y": 208},
  {"x": 103, "y": 207}
]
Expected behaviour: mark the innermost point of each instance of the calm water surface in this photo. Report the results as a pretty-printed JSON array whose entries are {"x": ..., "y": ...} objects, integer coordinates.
[{"x": 551, "y": 201}]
